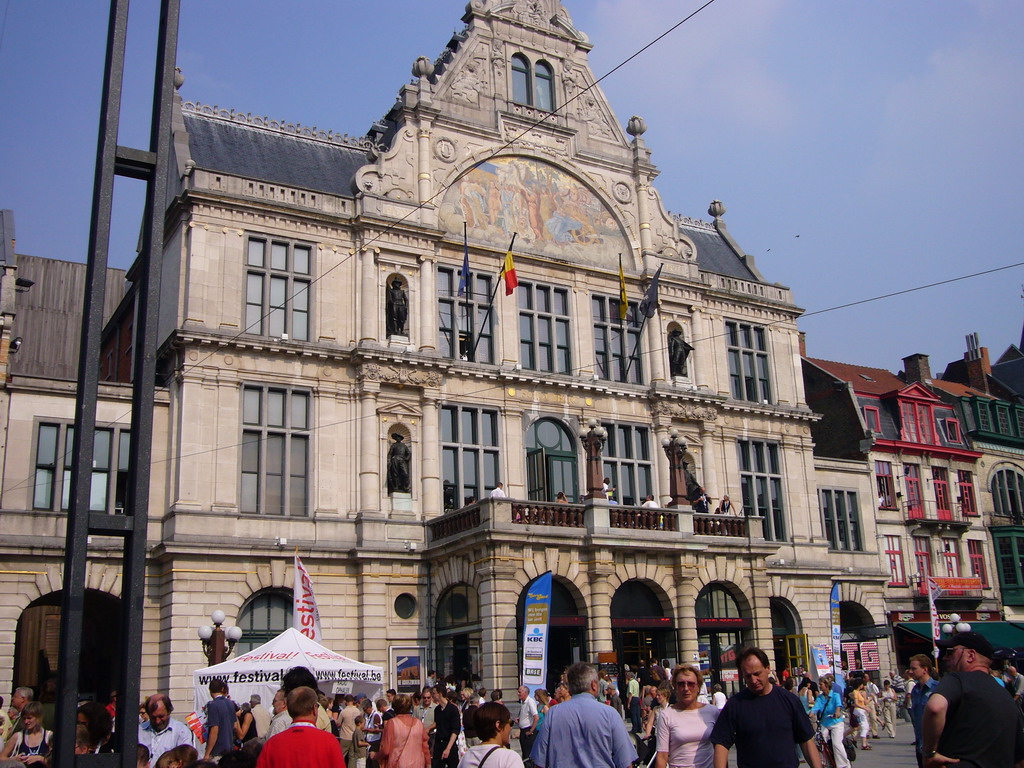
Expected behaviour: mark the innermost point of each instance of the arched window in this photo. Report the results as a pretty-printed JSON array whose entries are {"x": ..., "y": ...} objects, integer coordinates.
[
  {"x": 263, "y": 618},
  {"x": 544, "y": 87},
  {"x": 1008, "y": 494},
  {"x": 715, "y": 602},
  {"x": 550, "y": 461},
  {"x": 458, "y": 608},
  {"x": 521, "y": 90}
]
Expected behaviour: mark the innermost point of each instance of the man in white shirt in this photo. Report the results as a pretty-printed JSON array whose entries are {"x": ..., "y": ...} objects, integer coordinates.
[
  {"x": 498, "y": 492},
  {"x": 527, "y": 720},
  {"x": 161, "y": 732},
  {"x": 260, "y": 715},
  {"x": 650, "y": 503},
  {"x": 281, "y": 721}
]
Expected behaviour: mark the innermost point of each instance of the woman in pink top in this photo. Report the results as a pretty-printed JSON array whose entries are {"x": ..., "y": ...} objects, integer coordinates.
[
  {"x": 404, "y": 743},
  {"x": 684, "y": 729}
]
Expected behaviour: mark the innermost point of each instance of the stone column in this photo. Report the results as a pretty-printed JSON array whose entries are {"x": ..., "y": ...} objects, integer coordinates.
[
  {"x": 661, "y": 468},
  {"x": 499, "y": 595},
  {"x": 427, "y": 332},
  {"x": 686, "y": 614},
  {"x": 599, "y": 615},
  {"x": 708, "y": 461},
  {"x": 369, "y": 449},
  {"x": 430, "y": 445},
  {"x": 369, "y": 294},
  {"x": 423, "y": 161},
  {"x": 656, "y": 347},
  {"x": 702, "y": 346}
]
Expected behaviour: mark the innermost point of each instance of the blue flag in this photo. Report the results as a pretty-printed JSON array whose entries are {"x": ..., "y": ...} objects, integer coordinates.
[{"x": 464, "y": 273}]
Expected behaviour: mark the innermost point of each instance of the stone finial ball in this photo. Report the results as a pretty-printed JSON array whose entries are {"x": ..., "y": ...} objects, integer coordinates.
[
  {"x": 422, "y": 67},
  {"x": 716, "y": 208},
  {"x": 179, "y": 79},
  {"x": 636, "y": 126}
]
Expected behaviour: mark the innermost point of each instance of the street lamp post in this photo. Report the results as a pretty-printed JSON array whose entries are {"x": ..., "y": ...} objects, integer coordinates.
[
  {"x": 955, "y": 626},
  {"x": 593, "y": 439},
  {"x": 218, "y": 642},
  {"x": 675, "y": 450}
]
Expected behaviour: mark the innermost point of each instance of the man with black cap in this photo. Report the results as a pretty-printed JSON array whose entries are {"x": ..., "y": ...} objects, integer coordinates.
[{"x": 971, "y": 718}]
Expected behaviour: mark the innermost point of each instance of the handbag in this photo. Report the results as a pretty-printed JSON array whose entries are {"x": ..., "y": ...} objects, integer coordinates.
[{"x": 850, "y": 745}]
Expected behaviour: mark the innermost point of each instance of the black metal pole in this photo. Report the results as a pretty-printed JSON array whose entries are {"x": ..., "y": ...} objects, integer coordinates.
[
  {"x": 77, "y": 535},
  {"x": 490, "y": 305}
]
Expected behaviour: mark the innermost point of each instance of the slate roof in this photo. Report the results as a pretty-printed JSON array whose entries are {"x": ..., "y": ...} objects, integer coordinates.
[
  {"x": 957, "y": 389},
  {"x": 872, "y": 381},
  {"x": 268, "y": 155},
  {"x": 715, "y": 255},
  {"x": 1010, "y": 374}
]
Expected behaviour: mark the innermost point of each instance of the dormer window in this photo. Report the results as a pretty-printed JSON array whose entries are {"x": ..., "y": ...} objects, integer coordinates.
[{"x": 533, "y": 86}]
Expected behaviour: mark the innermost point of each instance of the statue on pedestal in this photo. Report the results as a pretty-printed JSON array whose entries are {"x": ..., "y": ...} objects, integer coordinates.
[
  {"x": 397, "y": 310},
  {"x": 399, "y": 466},
  {"x": 678, "y": 353}
]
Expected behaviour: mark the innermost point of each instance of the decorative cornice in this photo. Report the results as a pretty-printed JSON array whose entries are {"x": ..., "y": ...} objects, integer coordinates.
[
  {"x": 279, "y": 126},
  {"x": 686, "y": 221}
]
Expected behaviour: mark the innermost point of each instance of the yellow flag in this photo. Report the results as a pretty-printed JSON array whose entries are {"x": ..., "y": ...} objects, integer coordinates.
[{"x": 623, "y": 302}]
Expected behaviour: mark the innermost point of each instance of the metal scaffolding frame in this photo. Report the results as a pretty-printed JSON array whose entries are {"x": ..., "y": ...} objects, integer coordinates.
[{"x": 150, "y": 166}]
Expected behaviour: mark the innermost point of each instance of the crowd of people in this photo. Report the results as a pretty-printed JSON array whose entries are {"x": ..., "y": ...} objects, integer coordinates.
[{"x": 972, "y": 715}]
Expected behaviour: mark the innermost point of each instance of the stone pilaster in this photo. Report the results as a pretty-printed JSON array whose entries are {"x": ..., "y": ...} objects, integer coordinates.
[
  {"x": 369, "y": 449},
  {"x": 430, "y": 444},
  {"x": 369, "y": 296},
  {"x": 427, "y": 332},
  {"x": 708, "y": 461}
]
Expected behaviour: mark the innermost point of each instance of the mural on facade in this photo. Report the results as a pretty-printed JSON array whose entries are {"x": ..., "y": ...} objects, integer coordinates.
[{"x": 552, "y": 212}]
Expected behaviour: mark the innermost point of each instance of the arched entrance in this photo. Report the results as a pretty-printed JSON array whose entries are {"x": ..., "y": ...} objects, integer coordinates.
[
  {"x": 721, "y": 628},
  {"x": 551, "y": 463},
  {"x": 267, "y": 614},
  {"x": 457, "y": 634},
  {"x": 37, "y": 644},
  {"x": 787, "y": 636},
  {"x": 566, "y": 633},
  {"x": 640, "y": 629}
]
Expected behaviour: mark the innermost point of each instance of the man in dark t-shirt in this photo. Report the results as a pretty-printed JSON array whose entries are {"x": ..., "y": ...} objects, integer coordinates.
[
  {"x": 971, "y": 717},
  {"x": 764, "y": 721},
  {"x": 449, "y": 722},
  {"x": 221, "y": 718}
]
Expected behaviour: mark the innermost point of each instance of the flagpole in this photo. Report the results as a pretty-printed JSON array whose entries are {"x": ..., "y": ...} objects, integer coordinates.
[
  {"x": 490, "y": 304},
  {"x": 629, "y": 361},
  {"x": 648, "y": 312}
]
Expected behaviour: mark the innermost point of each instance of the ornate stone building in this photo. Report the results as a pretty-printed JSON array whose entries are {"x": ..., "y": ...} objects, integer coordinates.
[{"x": 313, "y": 318}]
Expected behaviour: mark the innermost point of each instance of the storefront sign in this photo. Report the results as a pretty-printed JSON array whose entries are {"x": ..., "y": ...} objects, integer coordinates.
[
  {"x": 723, "y": 625},
  {"x": 862, "y": 656},
  {"x": 537, "y": 613},
  {"x": 730, "y": 675},
  {"x": 898, "y": 616},
  {"x": 822, "y": 656}
]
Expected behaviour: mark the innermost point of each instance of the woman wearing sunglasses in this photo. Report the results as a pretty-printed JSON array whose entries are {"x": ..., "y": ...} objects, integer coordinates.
[{"x": 684, "y": 729}]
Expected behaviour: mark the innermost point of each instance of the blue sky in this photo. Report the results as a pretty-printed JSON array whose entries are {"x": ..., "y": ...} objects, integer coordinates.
[{"x": 887, "y": 135}]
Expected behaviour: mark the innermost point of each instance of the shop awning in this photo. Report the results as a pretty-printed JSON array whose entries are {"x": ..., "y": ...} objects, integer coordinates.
[{"x": 1002, "y": 634}]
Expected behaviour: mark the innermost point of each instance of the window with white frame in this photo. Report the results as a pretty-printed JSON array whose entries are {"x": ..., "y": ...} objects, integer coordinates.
[
  {"x": 277, "y": 289},
  {"x": 894, "y": 554},
  {"x": 761, "y": 485},
  {"x": 976, "y": 553},
  {"x": 275, "y": 450},
  {"x": 469, "y": 451},
  {"x": 627, "y": 462},
  {"x": 841, "y": 519},
  {"x": 747, "y": 347},
  {"x": 466, "y": 328},
  {"x": 544, "y": 328},
  {"x": 108, "y": 489},
  {"x": 1008, "y": 494}
]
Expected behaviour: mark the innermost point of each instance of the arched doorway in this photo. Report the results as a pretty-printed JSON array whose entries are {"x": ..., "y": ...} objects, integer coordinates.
[
  {"x": 640, "y": 629},
  {"x": 566, "y": 633},
  {"x": 787, "y": 636},
  {"x": 457, "y": 633},
  {"x": 267, "y": 614},
  {"x": 37, "y": 644},
  {"x": 721, "y": 629},
  {"x": 551, "y": 463}
]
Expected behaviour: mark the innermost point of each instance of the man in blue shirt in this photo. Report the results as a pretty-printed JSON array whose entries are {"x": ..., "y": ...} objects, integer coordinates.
[
  {"x": 582, "y": 731},
  {"x": 924, "y": 684},
  {"x": 221, "y": 719}
]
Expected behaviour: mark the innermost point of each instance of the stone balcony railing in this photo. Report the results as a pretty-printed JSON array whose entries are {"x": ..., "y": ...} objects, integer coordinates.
[{"x": 600, "y": 518}]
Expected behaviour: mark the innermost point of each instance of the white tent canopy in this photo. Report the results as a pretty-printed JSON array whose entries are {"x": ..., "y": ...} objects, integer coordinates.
[{"x": 261, "y": 669}]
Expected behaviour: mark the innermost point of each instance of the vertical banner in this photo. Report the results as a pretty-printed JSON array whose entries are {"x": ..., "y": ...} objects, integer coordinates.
[
  {"x": 536, "y": 618},
  {"x": 933, "y": 592},
  {"x": 836, "y": 627},
  {"x": 305, "y": 614}
]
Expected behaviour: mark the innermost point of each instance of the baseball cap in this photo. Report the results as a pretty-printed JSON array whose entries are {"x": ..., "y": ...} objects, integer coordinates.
[{"x": 971, "y": 640}]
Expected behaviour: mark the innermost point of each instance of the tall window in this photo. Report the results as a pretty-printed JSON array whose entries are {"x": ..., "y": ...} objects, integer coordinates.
[
  {"x": 108, "y": 488},
  {"x": 1010, "y": 561},
  {"x": 263, "y": 618},
  {"x": 544, "y": 328},
  {"x": 911, "y": 430},
  {"x": 984, "y": 415},
  {"x": 466, "y": 327},
  {"x": 976, "y": 553},
  {"x": 469, "y": 451},
  {"x": 951, "y": 557},
  {"x": 923, "y": 559},
  {"x": 521, "y": 90},
  {"x": 1003, "y": 419},
  {"x": 885, "y": 486},
  {"x": 275, "y": 451},
  {"x": 872, "y": 419},
  {"x": 277, "y": 288},
  {"x": 1008, "y": 494},
  {"x": 761, "y": 485},
  {"x": 840, "y": 519},
  {"x": 544, "y": 87},
  {"x": 615, "y": 342},
  {"x": 894, "y": 554},
  {"x": 940, "y": 481},
  {"x": 912, "y": 477},
  {"x": 627, "y": 462},
  {"x": 965, "y": 485},
  {"x": 748, "y": 361}
]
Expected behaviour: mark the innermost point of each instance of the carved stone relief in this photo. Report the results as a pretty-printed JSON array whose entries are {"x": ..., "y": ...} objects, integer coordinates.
[
  {"x": 470, "y": 82},
  {"x": 389, "y": 374},
  {"x": 684, "y": 411}
]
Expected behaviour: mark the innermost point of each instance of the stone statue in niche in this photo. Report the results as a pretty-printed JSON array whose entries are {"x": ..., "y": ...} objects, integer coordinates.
[
  {"x": 678, "y": 353},
  {"x": 399, "y": 465},
  {"x": 397, "y": 309}
]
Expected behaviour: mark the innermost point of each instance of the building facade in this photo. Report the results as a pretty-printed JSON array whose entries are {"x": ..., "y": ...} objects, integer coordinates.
[{"x": 335, "y": 380}]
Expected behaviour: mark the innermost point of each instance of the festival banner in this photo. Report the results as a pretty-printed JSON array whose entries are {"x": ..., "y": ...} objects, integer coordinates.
[
  {"x": 536, "y": 620},
  {"x": 837, "y": 630},
  {"x": 934, "y": 590},
  {"x": 822, "y": 656},
  {"x": 305, "y": 614}
]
